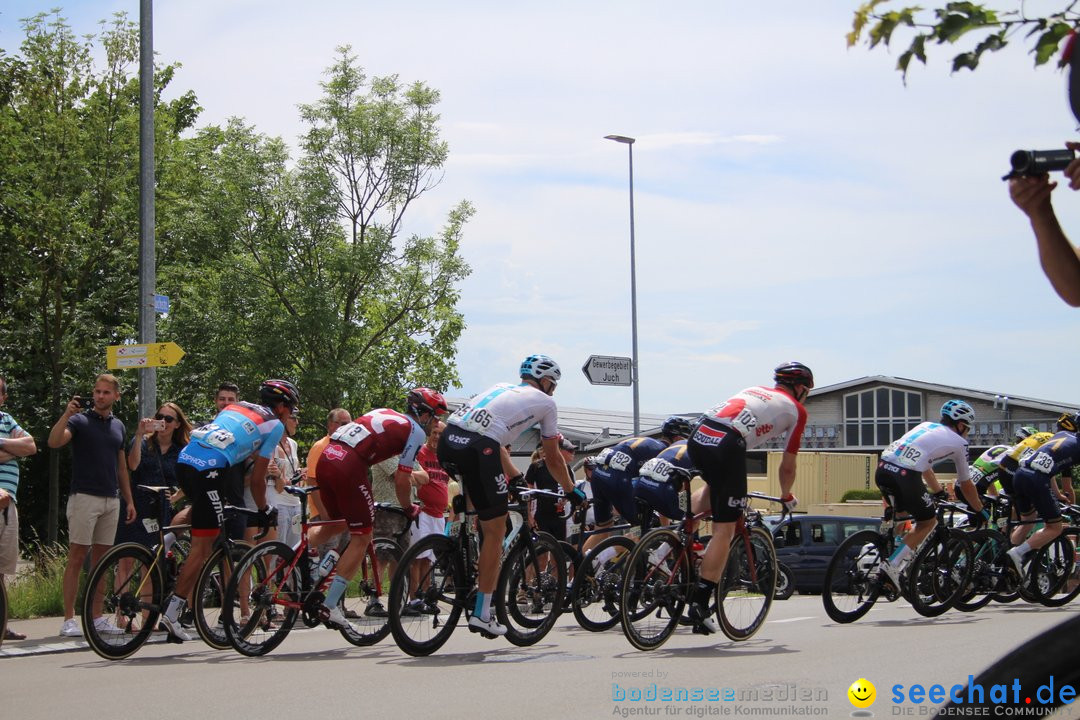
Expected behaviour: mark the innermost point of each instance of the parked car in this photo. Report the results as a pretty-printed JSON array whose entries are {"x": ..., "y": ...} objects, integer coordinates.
[{"x": 806, "y": 543}]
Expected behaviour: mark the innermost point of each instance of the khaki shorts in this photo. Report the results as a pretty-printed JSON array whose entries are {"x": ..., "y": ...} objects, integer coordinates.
[
  {"x": 9, "y": 540},
  {"x": 92, "y": 520}
]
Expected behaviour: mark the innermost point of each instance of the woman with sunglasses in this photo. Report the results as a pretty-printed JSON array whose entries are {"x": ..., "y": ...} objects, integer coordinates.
[{"x": 152, "y": 459}]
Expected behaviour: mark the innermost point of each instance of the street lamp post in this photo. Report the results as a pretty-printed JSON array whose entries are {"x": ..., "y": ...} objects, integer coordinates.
[{"x": 629, "y": 142}]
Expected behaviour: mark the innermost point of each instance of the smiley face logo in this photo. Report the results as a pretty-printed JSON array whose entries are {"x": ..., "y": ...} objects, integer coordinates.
[{"x": 862, "y": 693}]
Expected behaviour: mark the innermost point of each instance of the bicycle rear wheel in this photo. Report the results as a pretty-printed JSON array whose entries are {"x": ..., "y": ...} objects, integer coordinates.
[
  {"x": 530, "y": 590},
  {"x": 745, "y": 594},
  {"x": 851, "y": 580},
  {"x": 268, "y": 579},
  {"x": 597, "y": 589},
  {"x": 656, "y": 587},
  {"x": 938, "y": 574},
  {"x": 369, "y": 621},
  {"x": 421, "y": 628},
  {"x": 131, "y": 590},
  {"x": 986, "y": 545},
  {"x": 210, "y": 593},
  {"x": 1056, "y": 578}
]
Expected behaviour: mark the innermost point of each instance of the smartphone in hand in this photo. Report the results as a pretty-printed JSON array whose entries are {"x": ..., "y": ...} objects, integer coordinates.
[{"x": 86, "y": 401}]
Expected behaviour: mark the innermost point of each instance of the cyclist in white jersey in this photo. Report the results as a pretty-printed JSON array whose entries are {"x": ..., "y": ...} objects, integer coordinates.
[
  {"x": 473, "y": 446},
  {"x": 906, "y": 463},
  {"x": 718, "y": 448}
]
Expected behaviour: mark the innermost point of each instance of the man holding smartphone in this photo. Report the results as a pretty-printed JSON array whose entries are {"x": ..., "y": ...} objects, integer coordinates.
[{"x": 98, "y": 475}]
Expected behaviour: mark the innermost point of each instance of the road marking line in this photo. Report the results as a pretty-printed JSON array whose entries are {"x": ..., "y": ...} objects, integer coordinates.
[{"x": 794, "y": 619}]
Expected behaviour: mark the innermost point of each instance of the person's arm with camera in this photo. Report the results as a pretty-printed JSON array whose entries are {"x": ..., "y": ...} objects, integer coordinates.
[
  {"x": 60, "y": 435},
  {"x": 1059, "y": 259}
]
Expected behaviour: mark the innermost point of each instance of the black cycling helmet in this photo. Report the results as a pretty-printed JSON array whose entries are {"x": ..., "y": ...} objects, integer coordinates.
[
  {"x": 676, "y": 426},
  {"x": 793, "y": 373},
  {"x": 422, "y": 399},
  {"x": 272, "y": 392}
]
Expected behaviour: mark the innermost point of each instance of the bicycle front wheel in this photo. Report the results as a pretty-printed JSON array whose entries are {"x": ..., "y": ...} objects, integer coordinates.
[
  {"x": 369, "y": 621},
  {"x": 986, "y": 545},
  {"x": 745, "y": 594},
  {"x": 262, "y": 599},
  {"x": 851, "y": 580},
  {"x": 530, "y": 590},
  {"x": 130, "y": 589},
  {"x": 1056, "y": 578},
  {"x": 427, "y": 594},
  {"x": 656, "y": 587},
  {"x": 597, "y": 589},
  {"x": 938, "y": 574},
  {"x": 210, "y": 593}
]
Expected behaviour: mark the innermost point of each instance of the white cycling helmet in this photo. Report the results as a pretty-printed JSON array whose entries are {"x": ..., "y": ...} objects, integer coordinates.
[
  {"x": 540, "y": 366},
  {"x": 958, "y": 411}
]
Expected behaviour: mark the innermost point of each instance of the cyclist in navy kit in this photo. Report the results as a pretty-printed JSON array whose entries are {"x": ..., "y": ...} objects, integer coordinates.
[
  {"x": 205, "y": 466},
  {"x": 473, "y": 446}
]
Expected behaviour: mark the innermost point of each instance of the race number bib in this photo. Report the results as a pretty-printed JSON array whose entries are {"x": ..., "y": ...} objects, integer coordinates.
[
  {"x": 906, "y": 456},
  {"x": 352, "y": 434},
  {"x": 619, "y": 461},
  {"x": 214, "y": 435},
  {"x": 1042, "y": 462},
  {"x": 656, "y": 469}
]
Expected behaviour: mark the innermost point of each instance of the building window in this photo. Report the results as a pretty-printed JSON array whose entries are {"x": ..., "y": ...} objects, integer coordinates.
[{"x": 874, "y": 418}]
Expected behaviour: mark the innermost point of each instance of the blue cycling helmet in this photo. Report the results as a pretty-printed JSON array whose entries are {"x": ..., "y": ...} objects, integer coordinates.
[
  {"x": 540, "y": 366},
  {"x": 958, "y": 411},
  {"x": 676, "y": 426}
]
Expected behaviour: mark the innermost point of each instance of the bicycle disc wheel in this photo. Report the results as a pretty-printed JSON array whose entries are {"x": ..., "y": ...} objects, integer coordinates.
[
  {"x": 597, "y": 589},
  {"x": 369, "y": 621},
  {"x": 131, "y": 590},
  {"x": 209, "y": 593},
  {"x": 267, "y": 583},
  {"x": 1056, "y": 578},
  {"x": 745, "y": 594},
  {"x": 657, "y": 585},
  {"x": 938, "y": 574},
  {"x": 851, "y": 580},
  {"x": 420, "y": 629},
  {"x": 530, "y": 589}
]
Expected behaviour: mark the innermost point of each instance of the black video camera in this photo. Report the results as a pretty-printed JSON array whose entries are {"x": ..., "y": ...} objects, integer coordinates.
[{"x": 1032, "y": 163}]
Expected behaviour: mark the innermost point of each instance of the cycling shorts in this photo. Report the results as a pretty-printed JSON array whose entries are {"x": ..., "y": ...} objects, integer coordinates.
[
  {"x": 1031, "y": 491},
  {"x": 719, "y": 453},
  {"x": 345, "y": 489},
  {"x": 661, "y": 495},
  {"x": 905, "y": 490},
  {"x": 206, "y": 490},
  {"x": 477, "y": 461},
  {"x": 612, "y": 489}
]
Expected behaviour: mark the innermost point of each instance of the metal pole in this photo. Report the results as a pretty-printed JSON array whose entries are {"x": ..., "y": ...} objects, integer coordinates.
[
  {"x": 633, "y": 298},
  {"x": 147, "y": 266}
]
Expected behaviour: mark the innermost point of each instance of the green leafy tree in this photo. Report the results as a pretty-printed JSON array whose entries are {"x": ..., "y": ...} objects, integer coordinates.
[{"x": 976, "y": 27}]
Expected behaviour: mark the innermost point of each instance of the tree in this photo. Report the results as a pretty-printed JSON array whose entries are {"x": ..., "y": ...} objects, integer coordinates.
[{"x": 979, "y": 27}]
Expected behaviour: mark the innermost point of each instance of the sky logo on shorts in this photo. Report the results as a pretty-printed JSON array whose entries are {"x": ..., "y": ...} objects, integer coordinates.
[{"x": 705, "y": 435}]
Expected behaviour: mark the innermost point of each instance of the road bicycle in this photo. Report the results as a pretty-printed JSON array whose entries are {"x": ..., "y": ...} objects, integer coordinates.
[
  {"x": 662, "y": 572},
  {"x": 528, "y": 594},
  {"x": 131, "y": 582},
  {"x": 280, "y": 584},
  {"x": 939, "y": 572},
  {"x": 854, "y": 580}
]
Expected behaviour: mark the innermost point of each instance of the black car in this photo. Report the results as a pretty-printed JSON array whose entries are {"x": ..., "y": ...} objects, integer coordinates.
[{"x": 806, "y": 543}]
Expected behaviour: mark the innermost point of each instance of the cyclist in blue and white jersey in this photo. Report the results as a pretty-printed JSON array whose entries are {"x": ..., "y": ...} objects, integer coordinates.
[
  {"x": 1032, "y": 491},
  {"x": 473, "y": 446},
  {"x": 206, "y": 465},
  {"x": 617, "y": 468},
  {"x": 907, "y": 462}
]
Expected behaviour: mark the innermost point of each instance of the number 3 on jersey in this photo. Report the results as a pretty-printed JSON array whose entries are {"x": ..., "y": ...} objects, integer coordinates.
[{"x": 352, "y": 434}]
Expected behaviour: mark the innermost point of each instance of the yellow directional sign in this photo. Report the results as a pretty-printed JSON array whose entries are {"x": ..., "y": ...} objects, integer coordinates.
[{"x": 132, "y": 357}]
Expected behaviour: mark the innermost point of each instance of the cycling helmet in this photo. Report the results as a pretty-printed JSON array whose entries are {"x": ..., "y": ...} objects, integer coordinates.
[
  {"x": 958, "y": 411},
  {"x": 794, "y": 373},
  {"x": 1069, "y": 421},
  {"x": 676, "y": 426},
  {"x": 1025, "y": 432},
  {"x": 422, "y": 399},
  {"x": 272, "y": 392},
  {"x": 540, "y": 366}
]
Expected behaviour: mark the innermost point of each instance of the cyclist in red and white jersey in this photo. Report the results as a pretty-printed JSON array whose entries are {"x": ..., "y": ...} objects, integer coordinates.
[
  {"x": 345, "y": 487},
  {"x": 906, "y": 463},
  {"x": 718, "y": 448},
  {"x": 473, "y": 446}
]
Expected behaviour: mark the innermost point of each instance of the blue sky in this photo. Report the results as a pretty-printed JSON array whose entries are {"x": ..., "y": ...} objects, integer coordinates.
[{"x": 794, "y": 200}]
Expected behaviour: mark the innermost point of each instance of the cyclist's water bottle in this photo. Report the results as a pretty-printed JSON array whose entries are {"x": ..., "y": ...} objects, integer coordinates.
[{"x": 327, "y": 564}]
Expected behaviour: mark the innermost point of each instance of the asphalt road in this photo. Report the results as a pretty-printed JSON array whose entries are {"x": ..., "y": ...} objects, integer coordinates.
[{"x": 800, "y": 664}]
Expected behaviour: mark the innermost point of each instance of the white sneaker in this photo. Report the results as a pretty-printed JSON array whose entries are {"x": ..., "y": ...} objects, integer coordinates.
[
  {"x": 70, "y": 628},
  {"x": 105, "y": 626},
  {"x": 337, "y": 619},
  {"x": 176, "y": 630},
  {"x": 492, "y": 626}
]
